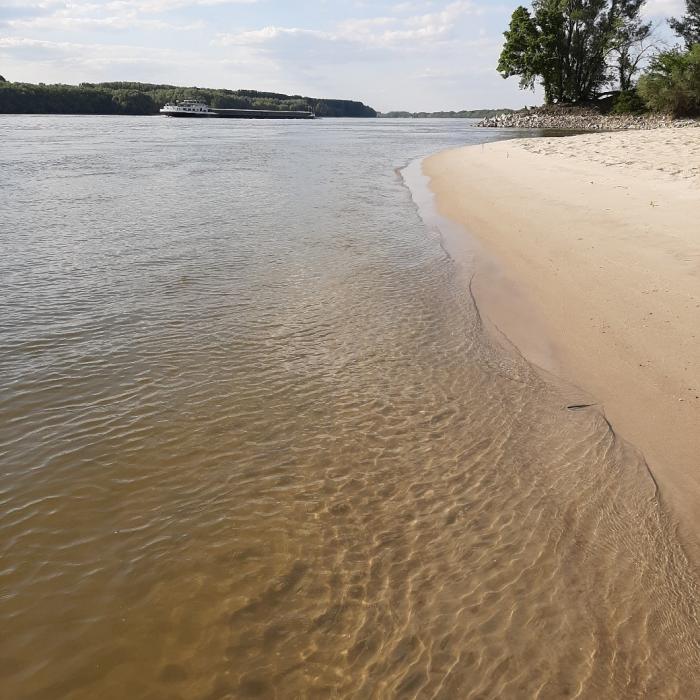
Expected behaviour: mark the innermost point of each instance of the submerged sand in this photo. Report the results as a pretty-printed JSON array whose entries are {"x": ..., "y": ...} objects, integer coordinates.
[{"x": 600, "y": 235}]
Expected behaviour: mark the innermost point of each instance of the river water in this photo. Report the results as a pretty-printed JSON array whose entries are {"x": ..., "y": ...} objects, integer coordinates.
[{"x": 255, "y": 441}]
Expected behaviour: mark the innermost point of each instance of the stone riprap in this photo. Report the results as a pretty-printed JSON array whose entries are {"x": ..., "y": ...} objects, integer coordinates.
[{"x": 581, "y": 119}]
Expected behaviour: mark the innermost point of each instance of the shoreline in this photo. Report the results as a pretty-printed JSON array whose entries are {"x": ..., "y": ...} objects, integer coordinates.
[
  {"x": 588, "y": 263},
  {"x": 572, "y": 118}
]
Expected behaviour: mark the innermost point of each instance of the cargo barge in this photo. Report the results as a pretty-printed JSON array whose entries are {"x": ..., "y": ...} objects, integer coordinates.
[{"x": 197, "y": 109}]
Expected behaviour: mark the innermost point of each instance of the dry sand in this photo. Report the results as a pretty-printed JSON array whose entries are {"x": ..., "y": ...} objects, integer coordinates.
[{"x": 597, "y": 239}]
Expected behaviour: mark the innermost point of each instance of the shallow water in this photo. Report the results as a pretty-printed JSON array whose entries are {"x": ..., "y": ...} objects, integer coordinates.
[{"x": 255, "y": 442}]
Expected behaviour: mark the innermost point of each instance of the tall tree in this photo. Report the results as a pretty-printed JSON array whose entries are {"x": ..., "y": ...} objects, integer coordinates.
[
  {"x": 633, "y": 42},
  {"x": 521, "y": 52},
  {"x": 688, "y": 26},
  {"x": 571, "y": 45}
]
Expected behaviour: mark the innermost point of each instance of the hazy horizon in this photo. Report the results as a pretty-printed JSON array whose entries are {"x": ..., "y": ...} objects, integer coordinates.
[{"x": 419, "y": 55}]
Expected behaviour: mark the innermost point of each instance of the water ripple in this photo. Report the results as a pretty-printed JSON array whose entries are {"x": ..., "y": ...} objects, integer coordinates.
[{"x": 255, "y": 443}]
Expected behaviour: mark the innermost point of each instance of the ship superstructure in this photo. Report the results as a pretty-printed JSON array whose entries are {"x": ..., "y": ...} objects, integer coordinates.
[{"x": 188, "y": 108}]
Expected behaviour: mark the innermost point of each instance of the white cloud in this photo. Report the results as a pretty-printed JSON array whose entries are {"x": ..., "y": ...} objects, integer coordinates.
[
  {"x": 158, "y": 6},
  {"x": 70, "y": 22},
  {"x": 107, "y": 14},
  {"x": 96, "y": 62},
  {"x": 267, "y": 35},
  {"x": 82, "y": 53},
  {"x": 405, "y": 33},
  {"x": 664, "y": 8}
]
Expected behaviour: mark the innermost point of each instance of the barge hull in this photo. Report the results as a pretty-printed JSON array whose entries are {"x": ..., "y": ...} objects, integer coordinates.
[
  {"x": 198, "y": 110},
  {"x": 261, "y": 114},
  {"x": 189, "y": 115}
]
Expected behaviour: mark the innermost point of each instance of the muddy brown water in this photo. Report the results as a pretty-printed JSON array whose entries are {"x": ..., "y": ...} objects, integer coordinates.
[{"x": 255, "y": 441}]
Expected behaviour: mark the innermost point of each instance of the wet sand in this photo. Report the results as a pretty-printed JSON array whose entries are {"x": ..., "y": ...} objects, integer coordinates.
[{"x": 596, "y": 243}]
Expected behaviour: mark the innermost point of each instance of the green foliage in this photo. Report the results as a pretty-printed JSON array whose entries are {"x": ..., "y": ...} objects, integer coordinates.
[
  {"x": 568, "y": 45},
  {"x": 628, "y": 102},
  {"x": 688, "y": 26},
  {"x": 672, "y": 83},
  {"x": 521, "y": 54},
  {"x": 26, "y": 98},
  {"x": 146, "y": 98},
  {"x": 463, "y": 114},
  {"x": 133, "y": 102},
  {"x": 632, "y": 42}
]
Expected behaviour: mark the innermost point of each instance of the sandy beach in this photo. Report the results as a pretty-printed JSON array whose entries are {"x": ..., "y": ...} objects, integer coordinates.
[{"x": 596, "y": 243}]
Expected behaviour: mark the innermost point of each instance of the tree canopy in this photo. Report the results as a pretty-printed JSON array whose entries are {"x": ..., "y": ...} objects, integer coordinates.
[
  {"x": 688, "y": 26},
  {"x": 573, "y": 47},
  {"x": 672, "y": 83}
]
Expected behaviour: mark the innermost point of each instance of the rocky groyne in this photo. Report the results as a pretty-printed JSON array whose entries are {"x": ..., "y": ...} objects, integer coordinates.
[{"x": 582, "y": 119}]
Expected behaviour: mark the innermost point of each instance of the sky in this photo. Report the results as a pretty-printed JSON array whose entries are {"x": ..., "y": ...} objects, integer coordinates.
[{"x": 414, "y": 55}]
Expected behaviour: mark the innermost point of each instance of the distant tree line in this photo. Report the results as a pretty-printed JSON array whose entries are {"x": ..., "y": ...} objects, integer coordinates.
[
  {"x": 146, "y": 98},
  {"x": 580, "y": 51},
  {"x": 462, "y": 114}
]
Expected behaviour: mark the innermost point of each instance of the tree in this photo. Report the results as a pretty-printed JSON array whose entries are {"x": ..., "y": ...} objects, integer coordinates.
[
  {"x": 134, "y": 102},
  {"x": 672, "y": 83},
  {"x": 631, "y": 42},
  {"x": 520, "y": 54},
  {"x": 688, "y": 26},
  {"x": 532, "y": 49},
  {"x": 635, "y": 41},
  {"x": 574, "y": 47}
]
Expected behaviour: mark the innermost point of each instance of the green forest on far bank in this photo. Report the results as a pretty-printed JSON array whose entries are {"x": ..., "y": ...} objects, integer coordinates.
[
  {"x": 146, "y": 98},
  {"x": 462, "y": 114}
]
